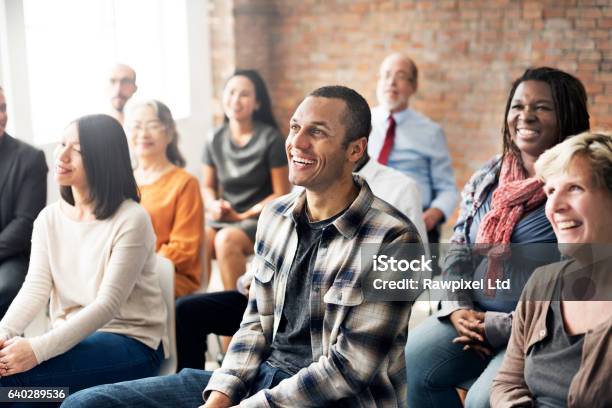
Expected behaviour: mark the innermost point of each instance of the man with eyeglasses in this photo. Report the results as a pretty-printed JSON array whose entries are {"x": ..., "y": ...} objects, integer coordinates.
[
  {"x": 412, "y": 143},
  {"x": 121, "y": 87}
]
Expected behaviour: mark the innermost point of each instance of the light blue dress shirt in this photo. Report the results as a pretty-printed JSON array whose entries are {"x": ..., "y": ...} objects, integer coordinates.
[{"x": 419, "y": 151}]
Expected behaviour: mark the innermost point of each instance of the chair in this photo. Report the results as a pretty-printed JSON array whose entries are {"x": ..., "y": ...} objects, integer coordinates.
[
  {"x": 463, "y": 388},
  {"x": 165, "y": 270}
]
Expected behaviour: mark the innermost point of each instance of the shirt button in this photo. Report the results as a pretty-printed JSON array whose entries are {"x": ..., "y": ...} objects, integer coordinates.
[{"x": 542, "y": 333}]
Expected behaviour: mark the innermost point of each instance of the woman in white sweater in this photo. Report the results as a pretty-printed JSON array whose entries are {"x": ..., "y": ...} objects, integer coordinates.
[{"x": 93, "y": 263}]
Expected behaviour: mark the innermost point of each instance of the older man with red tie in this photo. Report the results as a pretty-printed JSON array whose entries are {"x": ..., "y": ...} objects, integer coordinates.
[{"x": 410, "y": 142}]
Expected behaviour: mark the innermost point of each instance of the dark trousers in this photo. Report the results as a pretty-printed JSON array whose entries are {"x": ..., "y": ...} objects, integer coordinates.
[
  {"x": 202, "y": 314},
  {"x": 12, "y": 274}
]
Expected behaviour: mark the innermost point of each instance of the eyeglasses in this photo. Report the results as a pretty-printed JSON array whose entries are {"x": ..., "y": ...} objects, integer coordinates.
[
  {"x": 121, "y": 81},
  {"x": 151, "y": 127},
  {"x": 398, "y": 76}
]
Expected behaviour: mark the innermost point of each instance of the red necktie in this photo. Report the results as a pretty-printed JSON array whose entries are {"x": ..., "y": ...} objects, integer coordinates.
[{"x": 383, "y": 156}]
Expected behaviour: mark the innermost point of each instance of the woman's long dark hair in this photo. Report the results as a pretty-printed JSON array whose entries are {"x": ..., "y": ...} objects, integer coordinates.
[
  {"x": 570, "y": 104},
  {"x": 106, "y": 160},
  {"x": 264, "y": 112}
]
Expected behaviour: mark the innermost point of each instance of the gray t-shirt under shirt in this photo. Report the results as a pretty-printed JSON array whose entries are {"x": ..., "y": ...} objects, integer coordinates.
[
  {"x": 243, "y": 172},
  {"x": 552, "y": 363},
  {"x": 291, "y": 348}
]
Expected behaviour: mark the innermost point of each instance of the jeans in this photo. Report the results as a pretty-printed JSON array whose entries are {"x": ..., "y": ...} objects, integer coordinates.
[
  {"x": 179, "y": 390},
  {"x": 201, "y": 314},
  {"x": 12, "y": 274},
  {"x": 436, "y": 366},
  {"x": 100, "y": 358}
]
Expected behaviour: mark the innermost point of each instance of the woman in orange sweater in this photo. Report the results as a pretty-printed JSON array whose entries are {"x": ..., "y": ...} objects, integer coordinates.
[{"x": 170, "y": 195}]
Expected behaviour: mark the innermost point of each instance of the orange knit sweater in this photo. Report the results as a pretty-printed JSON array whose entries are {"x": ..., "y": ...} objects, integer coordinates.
[{"x": 175, "y": 205}]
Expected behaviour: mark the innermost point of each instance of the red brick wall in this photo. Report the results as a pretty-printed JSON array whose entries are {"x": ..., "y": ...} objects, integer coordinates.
[
  {"x": 254, "y": 44},
  {"x": 468, "y": 53},
  {"x": 240, "y": 38},
  {"x": 223, "y": 49}
]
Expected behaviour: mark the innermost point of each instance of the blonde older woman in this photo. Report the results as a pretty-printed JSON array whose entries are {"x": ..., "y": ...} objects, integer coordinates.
[{"x": 560, "y": 349}]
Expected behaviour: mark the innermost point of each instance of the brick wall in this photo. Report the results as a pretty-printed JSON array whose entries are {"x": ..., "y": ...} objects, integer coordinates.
[
  {"x": 223, "y": 50},
  {"x": 240, "y": 38},
  {"x": 254, "y": 45},
  {"x": 468, "y": 53}
]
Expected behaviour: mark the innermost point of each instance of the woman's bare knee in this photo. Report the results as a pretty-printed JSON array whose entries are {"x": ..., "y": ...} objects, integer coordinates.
[{"x": 231, "y": 240}]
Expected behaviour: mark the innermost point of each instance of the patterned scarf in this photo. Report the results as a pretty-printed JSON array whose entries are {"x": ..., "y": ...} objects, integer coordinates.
[{"x": 515, "y": 195}]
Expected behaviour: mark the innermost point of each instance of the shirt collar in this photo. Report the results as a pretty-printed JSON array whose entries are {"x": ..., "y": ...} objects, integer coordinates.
[
  {"x": 368, "y": 169},
  {"x": 348, "y": 223},
  {"x": 400, "y": 116}
]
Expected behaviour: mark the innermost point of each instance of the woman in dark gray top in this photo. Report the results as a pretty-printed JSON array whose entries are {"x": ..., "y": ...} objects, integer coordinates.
[{"x": 244, "y": 166}]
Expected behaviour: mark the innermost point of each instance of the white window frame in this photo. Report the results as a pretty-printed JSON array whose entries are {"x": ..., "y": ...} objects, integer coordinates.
[{"x": 14, "y": 79}]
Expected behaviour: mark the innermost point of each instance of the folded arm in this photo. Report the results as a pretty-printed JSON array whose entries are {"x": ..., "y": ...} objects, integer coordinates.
[{"x": 443, "y": 178}]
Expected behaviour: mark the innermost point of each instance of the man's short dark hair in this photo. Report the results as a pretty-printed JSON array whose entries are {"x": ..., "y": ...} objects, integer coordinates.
[{"x": 357, "y": 117}]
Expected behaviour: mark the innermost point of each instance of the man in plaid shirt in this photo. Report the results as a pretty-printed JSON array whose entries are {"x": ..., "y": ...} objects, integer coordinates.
[{"x": 308, "y": 338}]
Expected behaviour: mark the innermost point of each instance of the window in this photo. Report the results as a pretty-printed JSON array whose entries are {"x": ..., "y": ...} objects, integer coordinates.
[{"x": 72, "y": 44}]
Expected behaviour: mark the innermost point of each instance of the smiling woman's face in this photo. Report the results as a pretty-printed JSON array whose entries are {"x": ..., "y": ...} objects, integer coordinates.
[
  {"x": 579, "y": 211},
  {"x": 239, "y": 99},
  {"x": 532, "y": 120},
  {"x": 69, "y": 167},
  {"x": 148, "y": 134}
]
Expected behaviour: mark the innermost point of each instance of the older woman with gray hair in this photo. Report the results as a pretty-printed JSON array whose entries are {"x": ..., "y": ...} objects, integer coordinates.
[
  {"x": 170, "y": 194},
  {"x": 560, "y": 350}
]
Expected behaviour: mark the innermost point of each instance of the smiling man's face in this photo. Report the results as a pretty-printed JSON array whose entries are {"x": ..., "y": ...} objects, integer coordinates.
[{"x": 315, "y": 145}]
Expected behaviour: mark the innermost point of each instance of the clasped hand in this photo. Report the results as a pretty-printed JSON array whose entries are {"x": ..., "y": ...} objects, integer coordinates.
[
  {"x": 470, "y": 327},
  {"x": 16, "y": 356},
  {"x": 221, "y": 210}
]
